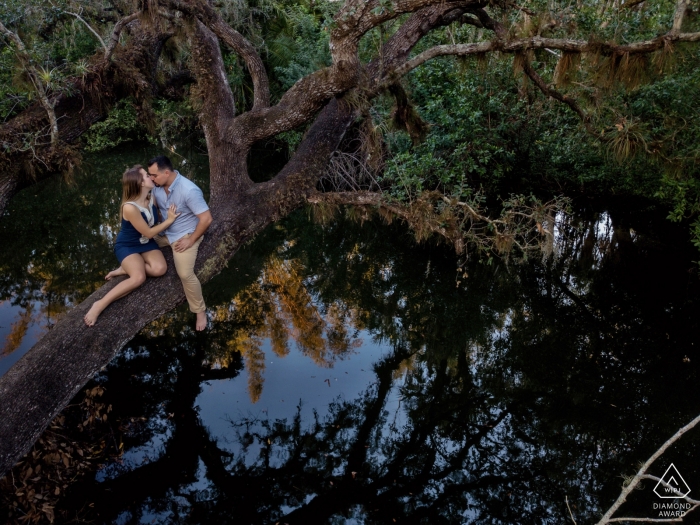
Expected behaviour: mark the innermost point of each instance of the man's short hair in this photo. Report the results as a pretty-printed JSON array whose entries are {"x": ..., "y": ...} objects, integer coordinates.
[{"x": 163, "y": 163}]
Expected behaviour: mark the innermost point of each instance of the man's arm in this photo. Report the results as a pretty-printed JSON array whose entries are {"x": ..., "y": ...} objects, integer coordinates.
[{"x": 205, "y": 219}]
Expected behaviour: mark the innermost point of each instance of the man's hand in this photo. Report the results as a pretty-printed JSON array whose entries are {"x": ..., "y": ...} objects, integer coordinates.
[
  {"x": 205, "y": 220},
  {"x": 183, "y": 244}
]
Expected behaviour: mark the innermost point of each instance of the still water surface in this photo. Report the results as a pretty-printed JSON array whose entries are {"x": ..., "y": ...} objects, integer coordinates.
[{"x": 350, "y": 376}]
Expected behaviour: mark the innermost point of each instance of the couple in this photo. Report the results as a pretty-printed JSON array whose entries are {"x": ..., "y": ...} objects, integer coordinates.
[{"x": 141, "y": 236}]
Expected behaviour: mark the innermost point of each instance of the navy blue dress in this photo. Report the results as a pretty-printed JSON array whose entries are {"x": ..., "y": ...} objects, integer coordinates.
[{"x": 130, "y": 241}]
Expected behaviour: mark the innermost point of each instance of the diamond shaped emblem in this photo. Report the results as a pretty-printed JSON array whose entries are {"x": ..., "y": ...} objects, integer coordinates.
[{"x": 672, "y": 484}]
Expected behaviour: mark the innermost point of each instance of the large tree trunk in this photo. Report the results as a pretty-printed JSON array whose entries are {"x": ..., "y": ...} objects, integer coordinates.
[{"x": 42, "y": 382}]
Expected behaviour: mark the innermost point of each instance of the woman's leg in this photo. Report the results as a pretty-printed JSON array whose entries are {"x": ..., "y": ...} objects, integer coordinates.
[
  {"x": 155, "y": 263},
  {"x": 115, "y": 273},
  {"x": 135, "y": 267}
]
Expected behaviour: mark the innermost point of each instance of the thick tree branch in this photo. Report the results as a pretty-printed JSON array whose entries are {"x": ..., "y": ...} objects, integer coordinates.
[
  {"x": 357, "y": 17},
  {"x": 310, "y": 93},
  {"x": 203, "y": 11},
  {"x": 394, "y": 51},
  {"x": 490, "y": 23},
  {"x": 536, "y": 42},
  {"x": 419, "y": 24},
  {"x": 681, "y": 8},
  {"x": 116, "y": 32}
]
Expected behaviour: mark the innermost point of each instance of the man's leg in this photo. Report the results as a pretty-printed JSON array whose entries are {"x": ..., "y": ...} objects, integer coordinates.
[{"x": 184, "y": 264}]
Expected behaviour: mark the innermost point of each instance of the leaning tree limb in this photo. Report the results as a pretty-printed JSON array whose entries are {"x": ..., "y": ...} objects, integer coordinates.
[
  {"x": 116, "y": 33},
  {"x": 90, "y": 28},
  {"x": 521, "y": 45},
  {"x": 35, "y": 77},
  {"x": 551, "y": 92}
]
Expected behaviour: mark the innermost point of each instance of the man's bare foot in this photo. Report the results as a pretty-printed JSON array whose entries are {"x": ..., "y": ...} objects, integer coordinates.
[
  {"x": 115, "y": 273},
  {"x": 201, "y": 321},
  {"x": 92, "y": 315}
]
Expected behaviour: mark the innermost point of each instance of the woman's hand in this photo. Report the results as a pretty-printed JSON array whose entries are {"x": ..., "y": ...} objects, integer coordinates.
[{"x": 172, "y": 213}]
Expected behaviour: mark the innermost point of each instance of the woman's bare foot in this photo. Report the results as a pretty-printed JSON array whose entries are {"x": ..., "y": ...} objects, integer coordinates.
[
  {"x": 92, "y": 315},
  {"x": 201, "y": 321},
  {"x": 115, "y": 273}
]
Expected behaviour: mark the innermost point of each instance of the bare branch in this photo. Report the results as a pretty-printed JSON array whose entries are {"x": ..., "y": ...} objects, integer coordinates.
[
  {"x": 550, "y": 92},
  {"x": 626, "y": 491},
  {"x": 116, "y": 31},
  {"x": 681, "y": 8},
  {"x": 666, "y": 485},
  {"x": 524, "y": 44},
  {"x": 442, "y": 50},
  {"x": 536, "y": 42},
  {"x": 76, "y": 15},
  {"x": 570, "y": 513}
]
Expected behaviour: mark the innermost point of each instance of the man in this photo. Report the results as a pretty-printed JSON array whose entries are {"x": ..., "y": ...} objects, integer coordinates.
[{"x": 186, "y": 233}]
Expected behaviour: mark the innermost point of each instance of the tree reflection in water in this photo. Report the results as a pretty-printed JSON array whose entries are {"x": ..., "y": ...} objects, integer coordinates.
[
  {"x": 498, "y": 392},
  {"x": 495, "y": 399}
]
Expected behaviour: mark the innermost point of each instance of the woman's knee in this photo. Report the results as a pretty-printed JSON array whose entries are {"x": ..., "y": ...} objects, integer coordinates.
[
  {"x": 138, "y": 278},
  {"x": 158, "y": 269}
]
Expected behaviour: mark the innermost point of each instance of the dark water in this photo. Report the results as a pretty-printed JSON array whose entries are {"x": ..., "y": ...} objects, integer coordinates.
[{"x": 351, "y": 376}]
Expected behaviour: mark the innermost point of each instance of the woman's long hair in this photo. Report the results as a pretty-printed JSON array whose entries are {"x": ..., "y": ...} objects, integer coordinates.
[{"x": 131, "y": 186}]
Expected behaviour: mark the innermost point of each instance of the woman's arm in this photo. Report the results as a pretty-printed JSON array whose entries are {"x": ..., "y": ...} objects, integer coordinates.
[{"x": 133, "y": 215}]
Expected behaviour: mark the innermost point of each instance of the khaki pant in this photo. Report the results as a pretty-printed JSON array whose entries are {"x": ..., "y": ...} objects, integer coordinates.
[{"x": 184, "y": 265}]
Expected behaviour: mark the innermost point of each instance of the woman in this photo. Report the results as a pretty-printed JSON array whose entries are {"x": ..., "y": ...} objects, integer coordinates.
[{"x": 135, "y": 248}]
